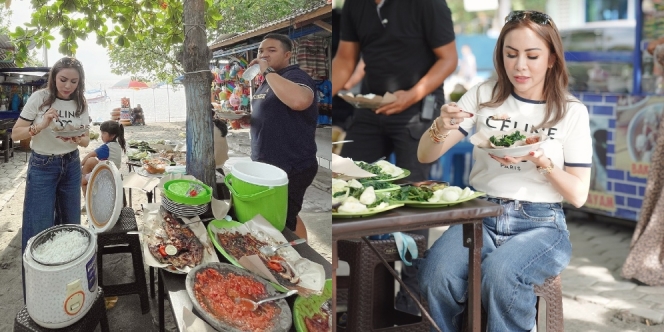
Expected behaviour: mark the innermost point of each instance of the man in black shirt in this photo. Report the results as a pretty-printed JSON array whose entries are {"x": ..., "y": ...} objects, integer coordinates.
[
  {"x": 408, "y": 48},
  {"x": 283, "y": 122}
]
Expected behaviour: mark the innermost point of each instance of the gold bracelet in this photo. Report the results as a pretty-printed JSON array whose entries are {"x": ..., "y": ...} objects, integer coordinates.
[{"x": 434, "y": 134}]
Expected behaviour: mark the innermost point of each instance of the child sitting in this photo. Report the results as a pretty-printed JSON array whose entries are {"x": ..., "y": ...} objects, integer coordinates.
[{"x": 112, "y": 134}]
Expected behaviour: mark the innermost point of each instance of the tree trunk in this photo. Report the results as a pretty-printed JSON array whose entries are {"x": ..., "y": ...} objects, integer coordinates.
[{"x": 197, "y": 80}]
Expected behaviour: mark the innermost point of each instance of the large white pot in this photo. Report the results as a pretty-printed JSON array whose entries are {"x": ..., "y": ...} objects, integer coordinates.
[{"x": 59, "y": 295}]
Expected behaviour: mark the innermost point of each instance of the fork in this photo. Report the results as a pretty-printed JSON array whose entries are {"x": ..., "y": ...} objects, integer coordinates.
[{"x": 271, "y": 250}]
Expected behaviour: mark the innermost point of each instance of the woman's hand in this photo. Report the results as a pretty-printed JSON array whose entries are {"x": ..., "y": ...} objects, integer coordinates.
[
  {"x": 450, "y": 117},
  {"x": 50, "y": 116},
  {"x": 74, "y": 140},
  {"x": 537, "y": 157}
]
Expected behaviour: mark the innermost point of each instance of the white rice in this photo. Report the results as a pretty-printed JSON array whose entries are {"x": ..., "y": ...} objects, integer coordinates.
[{"x": 62, "y": 247}]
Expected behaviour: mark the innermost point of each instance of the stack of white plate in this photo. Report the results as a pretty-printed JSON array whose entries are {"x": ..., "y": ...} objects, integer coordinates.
[{"x": 183, "y": 209}]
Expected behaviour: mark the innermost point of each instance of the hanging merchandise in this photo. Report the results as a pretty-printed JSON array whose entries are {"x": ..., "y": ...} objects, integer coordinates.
[
  {"x": 312, "y": 56},
  {"x": 230, "y": 92}
]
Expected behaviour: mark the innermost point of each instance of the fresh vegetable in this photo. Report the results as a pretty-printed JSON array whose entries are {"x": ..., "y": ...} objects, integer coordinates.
[
  {"x": 507, "y": 140},
  {"x": 374, "y": 169},
  {"x": 413, "y": 193},
  {"x": 377, "y": 185},
  {"x": 162, "y": 250}
]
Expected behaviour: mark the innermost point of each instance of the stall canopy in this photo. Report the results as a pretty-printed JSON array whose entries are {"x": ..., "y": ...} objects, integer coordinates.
[{"x": 296, "y": 25}]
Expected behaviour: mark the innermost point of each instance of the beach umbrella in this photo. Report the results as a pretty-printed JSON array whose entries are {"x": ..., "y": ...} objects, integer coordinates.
[{"x": 128, "y": 83}]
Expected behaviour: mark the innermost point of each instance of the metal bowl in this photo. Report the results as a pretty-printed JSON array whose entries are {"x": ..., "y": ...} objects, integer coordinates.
[
  {"x": 282, "y": 322},
  {"x": 49, "y": 233}
]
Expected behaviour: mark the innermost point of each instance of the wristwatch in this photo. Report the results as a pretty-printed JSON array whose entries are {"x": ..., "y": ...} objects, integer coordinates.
[
  {"x": 546, "y": 170},
  {"x": 268, "y": 70}
]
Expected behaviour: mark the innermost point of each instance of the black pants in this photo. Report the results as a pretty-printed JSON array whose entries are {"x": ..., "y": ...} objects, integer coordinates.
[{"x": 298, "y": 182}]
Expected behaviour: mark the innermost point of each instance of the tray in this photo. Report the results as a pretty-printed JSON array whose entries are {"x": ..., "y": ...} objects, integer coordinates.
[
  {"x": 230, "y": 115},
  {"x": 282, "y": 322},
  {"x": 394, "y": 187},
  {"x": 229, "y": 257},
  {"x": 369, "y": 212},
  {"x": 405, "y": 174},
  {"x": 311, "y": 274},
  {"x": 417, "y": 204},
  {"x": 309, "y": 306}
]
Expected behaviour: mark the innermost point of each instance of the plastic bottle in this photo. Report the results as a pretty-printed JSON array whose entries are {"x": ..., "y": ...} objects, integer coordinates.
[{"x": 251, "y": 72}]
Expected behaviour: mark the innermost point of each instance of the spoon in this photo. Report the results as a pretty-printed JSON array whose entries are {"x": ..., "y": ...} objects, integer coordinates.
[
  {"x": 492, "y": 117},
  {"x": 252, "y": 305},
  {"x": 271, "y": 250}
]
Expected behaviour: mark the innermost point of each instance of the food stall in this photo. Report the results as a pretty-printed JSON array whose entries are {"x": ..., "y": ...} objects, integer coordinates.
[
  {"x": 621, "y": 84},
  {"x": 310, "y": 29}
]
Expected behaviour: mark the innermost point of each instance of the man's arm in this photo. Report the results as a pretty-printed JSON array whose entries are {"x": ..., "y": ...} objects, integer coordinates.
[
  {"x": 357, "y": 76},
  {"x": 343, "y": 64},
  {"x": 443, "y": 67},
  {"x": 294, "y": 95}
]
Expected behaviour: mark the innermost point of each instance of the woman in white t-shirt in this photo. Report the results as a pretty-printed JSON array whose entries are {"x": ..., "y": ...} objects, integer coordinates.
[
  {"x": 529, "y": 242},
  {"x": 53, "y": 180}
]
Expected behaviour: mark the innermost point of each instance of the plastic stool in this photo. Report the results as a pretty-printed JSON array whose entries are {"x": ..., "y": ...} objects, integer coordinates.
[
  {"x": 453, "y": 163},
  {"x": 371, "y": 288},
  {"x": 115, "y": 241},
  {"x": 551, "y": 291},
  {"x": 95, "y": 316}
]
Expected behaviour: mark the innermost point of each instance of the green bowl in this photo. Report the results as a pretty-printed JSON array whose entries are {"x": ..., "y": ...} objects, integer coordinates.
[
  {"x": 177, "y": 191},
  {"x": 309, "y": 306}
]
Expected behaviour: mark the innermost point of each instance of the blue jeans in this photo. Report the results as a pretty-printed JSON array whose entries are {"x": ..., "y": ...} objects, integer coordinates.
[
  {"x": 528, "y": 243},
  {"x": 52, "y": 194}
]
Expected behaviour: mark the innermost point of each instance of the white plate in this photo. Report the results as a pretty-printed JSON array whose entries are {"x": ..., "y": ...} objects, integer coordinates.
[
  {"x": 143, "y": 172},
  {"x": 518, "y": 151},
  {"x": 230, "y": 115},
  {"x": 73, "y": 133}
]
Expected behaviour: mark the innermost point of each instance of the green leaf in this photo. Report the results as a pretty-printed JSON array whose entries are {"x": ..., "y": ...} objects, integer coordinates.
[
  {"x": 120, "y": 41},
  {"x": 216, "y": 16}
]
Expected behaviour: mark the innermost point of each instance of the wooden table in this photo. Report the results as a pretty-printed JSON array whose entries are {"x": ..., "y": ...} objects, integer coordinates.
[
  {"x": 403, "y": 219},
  {"x": 173, "y": 285}
]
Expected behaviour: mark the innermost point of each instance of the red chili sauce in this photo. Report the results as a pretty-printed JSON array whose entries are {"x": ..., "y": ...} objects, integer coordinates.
[{"x": 217, "y": 292}]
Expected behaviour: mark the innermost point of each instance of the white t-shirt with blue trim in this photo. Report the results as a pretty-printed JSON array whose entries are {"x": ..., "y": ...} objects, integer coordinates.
[
  {"x": 570, "y": 145},
  {"x": 46, "y": 143}
]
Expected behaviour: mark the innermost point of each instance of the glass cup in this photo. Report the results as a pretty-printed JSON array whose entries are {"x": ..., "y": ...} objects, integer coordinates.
[{"x": 251, "y": 72}]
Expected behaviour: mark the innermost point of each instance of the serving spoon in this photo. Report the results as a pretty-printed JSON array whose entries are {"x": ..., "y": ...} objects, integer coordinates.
[{"x": 253, "y": 305}]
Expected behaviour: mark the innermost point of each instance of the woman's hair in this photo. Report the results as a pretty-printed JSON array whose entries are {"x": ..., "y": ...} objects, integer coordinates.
[
  {"x": 79, "y": 94},
  {"x": 555, "y": 91},
  {"x": 114, "y": 128}
]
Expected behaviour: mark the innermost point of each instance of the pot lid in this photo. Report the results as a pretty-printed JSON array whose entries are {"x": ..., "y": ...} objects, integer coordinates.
[{"x": 103, "y": 198}]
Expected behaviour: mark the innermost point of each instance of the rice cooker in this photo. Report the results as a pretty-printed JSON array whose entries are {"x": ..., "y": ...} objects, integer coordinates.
[{"x": 59, "y": 295}]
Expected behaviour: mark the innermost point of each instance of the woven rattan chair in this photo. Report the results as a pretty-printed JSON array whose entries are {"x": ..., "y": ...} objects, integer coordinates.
[{"x": 370, "y": 293}]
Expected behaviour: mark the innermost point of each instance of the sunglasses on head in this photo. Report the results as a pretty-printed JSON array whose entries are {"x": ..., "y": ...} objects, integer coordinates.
[
  {"x": 70, "y": 62},
  {"x": 519, "y": 15}
]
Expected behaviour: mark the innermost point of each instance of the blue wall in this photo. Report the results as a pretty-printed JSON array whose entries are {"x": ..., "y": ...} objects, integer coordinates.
[{"x": 482, "y": 47}]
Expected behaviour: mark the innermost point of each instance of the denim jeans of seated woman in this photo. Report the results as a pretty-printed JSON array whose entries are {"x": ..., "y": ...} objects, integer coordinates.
[
  {"x": 524, "y": 246},
  {"x": 52, "y": 194}
]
